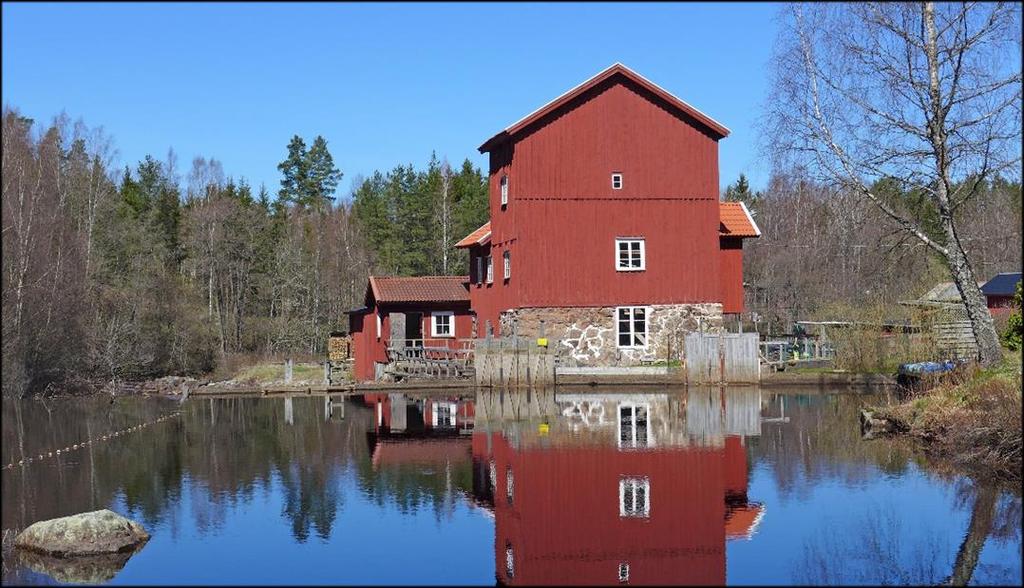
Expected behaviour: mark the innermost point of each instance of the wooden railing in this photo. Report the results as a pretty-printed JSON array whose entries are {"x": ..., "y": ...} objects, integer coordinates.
[{"x": 452, "y": 358}]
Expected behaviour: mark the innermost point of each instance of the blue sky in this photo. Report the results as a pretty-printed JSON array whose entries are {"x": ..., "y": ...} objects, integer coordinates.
[{"x": 384, "y": 83}]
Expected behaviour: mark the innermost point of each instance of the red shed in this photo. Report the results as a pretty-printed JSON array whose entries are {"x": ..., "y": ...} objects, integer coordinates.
[
  {"x": 605, "y": 217},
  {"x": 431, "y": 310}
]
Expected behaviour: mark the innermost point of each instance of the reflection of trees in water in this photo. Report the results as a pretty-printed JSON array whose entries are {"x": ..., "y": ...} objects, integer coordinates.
[
  {"x": 874, "y": 554},
  {"x": 822, "y": 440},
  {"x": 78, "y": 481},
  {"x": 227, "y": 448},
  {"x": 414, "y": 486},
  {"x": 885, "y": 550}
]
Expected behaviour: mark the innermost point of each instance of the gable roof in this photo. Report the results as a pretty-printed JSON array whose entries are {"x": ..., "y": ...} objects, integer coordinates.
[
  {"x": 736, "y": 220},
  {"x": 1004, "y": 284},
  {"x": 422, "y": 289},
  {"x": 943, "y": 292},
  {"x": 477, "y": 237},
  {"x": 615, "y": 69}
]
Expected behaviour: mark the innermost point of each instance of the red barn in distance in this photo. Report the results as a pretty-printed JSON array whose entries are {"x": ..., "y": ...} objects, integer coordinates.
[{"x": 606, "y": 230}]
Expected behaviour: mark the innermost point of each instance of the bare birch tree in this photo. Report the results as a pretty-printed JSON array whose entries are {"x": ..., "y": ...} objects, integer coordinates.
[
  {"x": 444, "y": 214},
  {"x": 923, "y": 94}
]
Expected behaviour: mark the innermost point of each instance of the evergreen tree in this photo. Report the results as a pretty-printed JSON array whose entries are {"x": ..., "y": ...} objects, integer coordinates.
[
  {"x": 295, "y": 169},
  {"x": 323, "y": 176},
  {"x": 740, "y": 191},
  {"x": 472, "y": 208}
]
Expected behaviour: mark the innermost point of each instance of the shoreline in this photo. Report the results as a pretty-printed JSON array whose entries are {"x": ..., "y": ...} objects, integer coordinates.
[
  {"x": 176, "y": 386},
  {"x": 971, "y": 418}
]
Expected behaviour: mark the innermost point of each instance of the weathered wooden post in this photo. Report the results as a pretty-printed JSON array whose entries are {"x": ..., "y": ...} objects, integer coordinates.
[
  {"x": 289, "y": 415},
  {"x": 288, "y": 371},
  {"x": 515, "y": 350},
  {"x": 327, "y": 373}
]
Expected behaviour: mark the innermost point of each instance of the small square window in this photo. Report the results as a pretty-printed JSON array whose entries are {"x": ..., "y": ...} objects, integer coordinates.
[
  {"x": 616, "y": 181},
  {"x": 490, "y": 270},
  {"x": 504, "y": 190},
  {"x": 631, "y": 326},
  {"x": 442, "y": 324},
  {"x": 623, "y": 572},
  {"x": 630, "y": 255},
  {"x": 443, "y": 415},
  {"x": 508, "y": 264},
  {"x": 634, "y": 431},
  {"x": 635, "y": 497}
]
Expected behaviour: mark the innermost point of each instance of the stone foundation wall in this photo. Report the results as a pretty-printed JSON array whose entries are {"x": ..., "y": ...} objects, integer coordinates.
[{"x": 587, "y": 335}]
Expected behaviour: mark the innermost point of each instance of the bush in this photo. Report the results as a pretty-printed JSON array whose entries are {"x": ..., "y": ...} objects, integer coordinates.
[{"x": 867, "y": 347}]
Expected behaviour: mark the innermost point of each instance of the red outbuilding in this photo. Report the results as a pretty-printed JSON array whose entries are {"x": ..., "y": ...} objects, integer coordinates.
[{"x": 432, "y": 311}]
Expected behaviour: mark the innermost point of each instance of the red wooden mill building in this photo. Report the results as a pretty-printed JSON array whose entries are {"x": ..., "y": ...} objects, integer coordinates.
[{"x": 605, "y": 227}]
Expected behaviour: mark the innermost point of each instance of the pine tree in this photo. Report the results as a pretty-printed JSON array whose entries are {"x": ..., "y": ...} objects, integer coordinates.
[
  {"x": 740, "y": 191},
  {"x": 295, "y": 169},
  {"x": 323, "y": 176}
]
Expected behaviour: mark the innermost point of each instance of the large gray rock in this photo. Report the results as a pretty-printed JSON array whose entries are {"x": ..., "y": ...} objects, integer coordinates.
[{"x": 89, "y": 533}]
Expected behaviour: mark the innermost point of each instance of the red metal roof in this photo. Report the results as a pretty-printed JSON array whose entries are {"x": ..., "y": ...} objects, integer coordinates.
[
  {"x": 421, "y": 289},
  {"x": 736, "y": 220},
  {"x": 615, "y": 69},
  {"x": 477, "y": 237}
]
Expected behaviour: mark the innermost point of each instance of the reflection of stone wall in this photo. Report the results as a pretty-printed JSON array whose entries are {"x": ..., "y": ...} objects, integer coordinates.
[{"x": 588, "y": 334}]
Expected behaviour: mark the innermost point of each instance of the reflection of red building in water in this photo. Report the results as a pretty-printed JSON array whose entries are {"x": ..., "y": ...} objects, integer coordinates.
[{"x": 631, "y": 510}]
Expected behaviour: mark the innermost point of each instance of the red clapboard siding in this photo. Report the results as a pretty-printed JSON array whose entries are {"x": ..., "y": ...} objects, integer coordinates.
[
  {"x": 565, "y": 508},
  {"x": 563, "y": 215},
  {"x": 732, "y": 275}
]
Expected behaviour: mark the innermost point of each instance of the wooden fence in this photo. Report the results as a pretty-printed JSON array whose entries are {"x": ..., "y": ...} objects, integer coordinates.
[
  {"x": 412, "y": 357},
  {"x": 730, "y": 358},
  {"x": 514, "y": 362}
]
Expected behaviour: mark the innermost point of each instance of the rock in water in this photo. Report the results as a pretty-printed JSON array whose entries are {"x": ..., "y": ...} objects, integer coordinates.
[
  {"x": 86, "y": 569},
  {"x": 89, "y": 533}
]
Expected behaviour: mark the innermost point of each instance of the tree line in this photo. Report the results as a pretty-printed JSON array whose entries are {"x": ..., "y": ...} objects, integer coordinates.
[
  {"x": 142, "y": 271},
  {"x": 826, "y": 253}
]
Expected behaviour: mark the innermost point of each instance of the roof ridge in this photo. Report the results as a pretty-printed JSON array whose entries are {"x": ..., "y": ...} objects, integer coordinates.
[{"x": 606, "y": 73}]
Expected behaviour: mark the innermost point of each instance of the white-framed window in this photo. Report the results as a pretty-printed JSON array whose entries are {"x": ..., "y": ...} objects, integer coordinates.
[
  {"x": 630, "y": 254},
  {"x": 623, "y": 572},
  {"x": 633, "y": 425},
  {"x": 442, "y": 323},
  {"x": 507, "y": 256},
  {"x": 490, "y": 270},
  {"x": 617, "y": 181},
  {"x": 504, "y": 190},
  {"x": 379, "y": 321},
  {"x": 443, "y": 414},
  {"x": 510, "y": 563},
  {"x": 631, "y": 326},
  {"x": 635, "y": 497},
  {"x": 479, "y": 269},
  {"x": 510, "y": 484}
]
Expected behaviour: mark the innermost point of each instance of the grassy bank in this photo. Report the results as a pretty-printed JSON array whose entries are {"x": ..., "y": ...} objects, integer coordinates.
[{"x": 973, "y": 417}]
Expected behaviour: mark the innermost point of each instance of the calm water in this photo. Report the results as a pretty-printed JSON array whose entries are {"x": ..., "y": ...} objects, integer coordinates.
[{"x": 740, "y": 487}]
